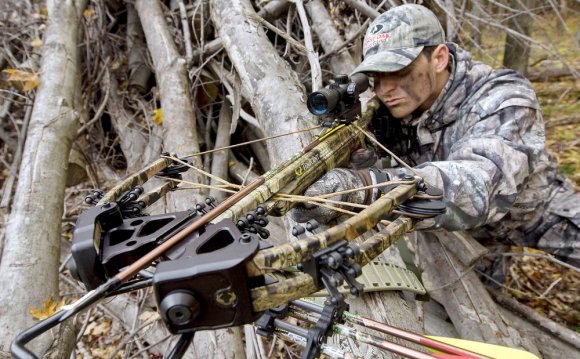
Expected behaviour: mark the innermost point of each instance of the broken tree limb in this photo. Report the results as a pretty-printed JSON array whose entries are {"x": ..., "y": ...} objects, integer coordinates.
[
  {"x": 233, "y": 86},
  {"x": 259, "y": 148},
  {"x": 462, "y": 245},
  {"x": 270, "y": 12},
  {"x": 312, "y": 55},
  {"x": 564, "y": 121},
  {"x": 186, "y": 33},
  {"x": 330, "y": 39},
  {"x": 77, "y": 168},
  {"x": 239, "y": 172},
  {"x": 139, "y": 71},
  {"x": 219, "y": 163},
  {"x": 179, "y": 124},
  {"x": 137, "y": 148},
  {"x": 549, "y": 346},
  {"x": 274, "y": 10},
  {"x": 538, "y": 320},
  {"x": 363, "y": 8},
  {"x": 9, "y": 183},
  {"x": 554, "y": 73}
]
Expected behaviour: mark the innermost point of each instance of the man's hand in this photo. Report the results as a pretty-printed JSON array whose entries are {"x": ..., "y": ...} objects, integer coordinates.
[{"x": 337, "y": 180}]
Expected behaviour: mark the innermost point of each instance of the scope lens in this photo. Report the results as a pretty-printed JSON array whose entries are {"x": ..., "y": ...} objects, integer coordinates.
[{"x": 317, "y": 104}]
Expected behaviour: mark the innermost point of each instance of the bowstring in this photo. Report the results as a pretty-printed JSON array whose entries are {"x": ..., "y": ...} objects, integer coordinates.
[
  {"x": 318, "y": 200},
  {"x": 252, "y": 141},
  {"x": 225, "y": 183},
  {"x": 226, "y": 186},
  {"x": 325, "y": 198},
  {"x": 397, "y": 158}
]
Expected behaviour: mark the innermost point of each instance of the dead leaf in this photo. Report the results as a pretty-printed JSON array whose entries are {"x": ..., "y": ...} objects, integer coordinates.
[
  {"x": 116, "y": 65},
  {"x": 207, "y": 92},
  {"x": 50, "y": 307},
  {"x": 102, "y": 353},
  {"x": 149, "y": 316},
  {"x": 98, "y": 329},
  {"x": 158, "y": 116},
  {"x": 89, "y": 14},
  {"x": 42, "y": 14},
  {"x": 36, "y": 42},
  {"x": 24, "y": 80}
]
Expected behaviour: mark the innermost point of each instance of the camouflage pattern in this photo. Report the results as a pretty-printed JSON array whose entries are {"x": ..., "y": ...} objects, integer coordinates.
[
  {"x": 482, "y": 141},
  {"x": 138, "y": 179},
  {"x": 157, "y": 193},
  {"x": 290, "y": 254},
  {"x": 559, "y": 232},
  {"x": 379, "y": 242},
  {"x": 304, "y": 168},
  {"x": 273, "y": 295},
  {"x": 396, "y": 37},
  {"x": 337, "y": 180}
]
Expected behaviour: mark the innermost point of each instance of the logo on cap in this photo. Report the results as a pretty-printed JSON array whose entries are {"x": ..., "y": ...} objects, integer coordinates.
[{"x": 376, "y": 40}]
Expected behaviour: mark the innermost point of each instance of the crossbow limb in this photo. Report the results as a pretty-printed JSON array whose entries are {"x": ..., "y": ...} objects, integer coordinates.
[{"x": 211, "y": 269}]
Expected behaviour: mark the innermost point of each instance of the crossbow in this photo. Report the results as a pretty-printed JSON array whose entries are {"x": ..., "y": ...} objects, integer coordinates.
[{"x": 210, "y": 267}]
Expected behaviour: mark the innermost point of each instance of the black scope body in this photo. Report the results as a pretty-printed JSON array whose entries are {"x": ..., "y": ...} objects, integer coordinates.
[{"x": 339, "y": 96}]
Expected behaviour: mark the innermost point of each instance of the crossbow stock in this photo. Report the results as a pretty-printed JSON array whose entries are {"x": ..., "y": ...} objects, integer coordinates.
[{"x": 211, "y": 269}]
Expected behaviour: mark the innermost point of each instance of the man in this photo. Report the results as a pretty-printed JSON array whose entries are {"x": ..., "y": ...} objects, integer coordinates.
[{"x": 475, "y": 132}]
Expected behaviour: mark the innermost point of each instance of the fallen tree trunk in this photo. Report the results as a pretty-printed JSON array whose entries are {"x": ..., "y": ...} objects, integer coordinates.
[
  {"x": 550, "y": 346},
  {"x": 179, "y": 124},
  {"x": 556, "y": 330},
  {"x": 219, "y": 163},
  {"x": 554, "y": 73},
  {"x": 470, "y": 308},
  {"x": 30, "y": 259}
]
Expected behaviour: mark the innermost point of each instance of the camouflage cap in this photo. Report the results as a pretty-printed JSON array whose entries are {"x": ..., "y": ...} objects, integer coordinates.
[{"x": 396, "y": 37}]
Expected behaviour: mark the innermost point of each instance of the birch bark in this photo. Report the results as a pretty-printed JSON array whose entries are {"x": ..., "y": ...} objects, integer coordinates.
[
  {"x": 272, "y": 88},
  {"x": 30, "y": 258}
]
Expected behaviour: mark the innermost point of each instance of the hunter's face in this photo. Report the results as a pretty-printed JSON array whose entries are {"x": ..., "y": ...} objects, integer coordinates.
[{"x": 416, "y": 87}]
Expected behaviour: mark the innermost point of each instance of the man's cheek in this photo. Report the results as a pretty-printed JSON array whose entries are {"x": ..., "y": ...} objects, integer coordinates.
[{"x": 407, "y": 87}]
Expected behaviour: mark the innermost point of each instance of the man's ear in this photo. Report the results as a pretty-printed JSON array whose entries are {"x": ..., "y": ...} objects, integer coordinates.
[{"x": 440, "y": 57}]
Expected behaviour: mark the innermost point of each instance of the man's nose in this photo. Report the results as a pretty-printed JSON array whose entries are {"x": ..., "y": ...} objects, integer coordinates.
[{"x": 384, "y": 86}]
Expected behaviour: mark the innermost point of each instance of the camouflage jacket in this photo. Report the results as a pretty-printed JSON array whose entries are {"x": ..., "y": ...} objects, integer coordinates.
[{"x": 482, "y": 142}]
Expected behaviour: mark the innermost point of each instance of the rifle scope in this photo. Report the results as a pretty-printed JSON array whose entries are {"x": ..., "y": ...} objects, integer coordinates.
[{"x": 339, "y": 96}]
